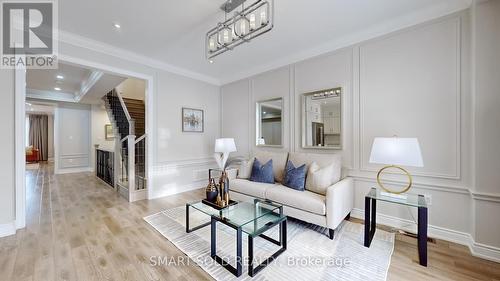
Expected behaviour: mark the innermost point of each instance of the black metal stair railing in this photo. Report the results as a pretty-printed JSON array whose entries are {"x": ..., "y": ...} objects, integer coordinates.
[{"x": 123, "y": 126}]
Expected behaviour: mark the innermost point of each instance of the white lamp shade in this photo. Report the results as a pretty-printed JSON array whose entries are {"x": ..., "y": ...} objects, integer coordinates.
[
  {"x": 225, "y": 145},
  {"x": 396, "y": 151}
]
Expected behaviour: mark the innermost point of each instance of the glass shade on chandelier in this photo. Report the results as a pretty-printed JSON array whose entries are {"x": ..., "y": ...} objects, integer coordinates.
[{"x": 246, "y": 24}]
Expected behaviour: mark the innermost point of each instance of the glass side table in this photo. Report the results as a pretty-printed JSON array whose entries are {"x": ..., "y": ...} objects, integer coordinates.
[{"x": 411, "y": 200}]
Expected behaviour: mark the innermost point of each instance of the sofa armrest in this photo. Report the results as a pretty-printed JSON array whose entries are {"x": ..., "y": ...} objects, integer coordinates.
[{"x": 339, "y": 201}]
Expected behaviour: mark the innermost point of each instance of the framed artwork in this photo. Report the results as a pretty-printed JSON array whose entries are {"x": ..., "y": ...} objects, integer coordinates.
[
  {"x": 192, "y": 120},
  {"x": 108, "y": 132}
]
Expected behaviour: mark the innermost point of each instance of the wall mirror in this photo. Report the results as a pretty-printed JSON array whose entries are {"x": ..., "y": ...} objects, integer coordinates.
[
  {"x": 269, "y": 129},
  {"x": 322, "y": 119}
]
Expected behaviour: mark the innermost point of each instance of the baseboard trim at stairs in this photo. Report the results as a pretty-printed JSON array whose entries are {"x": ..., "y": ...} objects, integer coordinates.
[
  {"x": 7, "y": 229},
  {"x": 462, "y": 238}
]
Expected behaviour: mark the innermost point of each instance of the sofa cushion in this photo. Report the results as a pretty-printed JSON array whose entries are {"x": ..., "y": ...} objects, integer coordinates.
[
  {"x": 295, "y": 177},
  {"x": 250, "y": 188},
  {"x": 323, "y": 160},
  {"x": 319, "y": 179},
  {"x": 303, "y": 200},
  {"x": 279, "y": 162},
  {"x": 262, "y": 172},
  {"x": 245, "y": 169}
]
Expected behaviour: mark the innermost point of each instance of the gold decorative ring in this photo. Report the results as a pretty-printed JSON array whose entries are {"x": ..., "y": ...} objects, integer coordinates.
[{"x": 396, "y": 167}]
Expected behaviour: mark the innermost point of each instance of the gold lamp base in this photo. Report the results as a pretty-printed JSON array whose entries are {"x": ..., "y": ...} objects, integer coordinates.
[{"x": 410, "y": 180}]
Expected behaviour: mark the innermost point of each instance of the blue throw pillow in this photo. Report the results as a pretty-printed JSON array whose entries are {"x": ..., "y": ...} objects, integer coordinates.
[
  {"x": 295, "y": 177},
  {"x": 262, "y": 173}
]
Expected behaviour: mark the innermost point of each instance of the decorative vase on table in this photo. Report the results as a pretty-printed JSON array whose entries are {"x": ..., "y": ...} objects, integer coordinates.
[{"x": 211, "y": 190}]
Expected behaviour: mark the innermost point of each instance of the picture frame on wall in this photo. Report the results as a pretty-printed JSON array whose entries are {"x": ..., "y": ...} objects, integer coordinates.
[
  {"x": 108, "y": 132},
  {"x": 192, "y": 120}
]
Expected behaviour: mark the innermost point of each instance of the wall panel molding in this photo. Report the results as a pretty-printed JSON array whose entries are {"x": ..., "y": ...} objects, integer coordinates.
[
  {"x": 419, "y": 185},
  {"x": 491, "y": 197},
  {"x": 185, "y": 163},
  {"x": 456, "y": 21}
]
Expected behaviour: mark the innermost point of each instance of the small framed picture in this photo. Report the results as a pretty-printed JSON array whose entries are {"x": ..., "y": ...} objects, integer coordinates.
[
  {"x": 108, "y": 132},
  {"x": 192, "y": 120}
]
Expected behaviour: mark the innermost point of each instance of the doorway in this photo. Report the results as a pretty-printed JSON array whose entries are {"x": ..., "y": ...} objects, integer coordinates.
[{"x": 99, "y": 75}]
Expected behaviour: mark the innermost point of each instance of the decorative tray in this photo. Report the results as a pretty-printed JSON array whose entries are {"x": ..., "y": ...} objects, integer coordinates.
[{"x": 217, "y": 207}]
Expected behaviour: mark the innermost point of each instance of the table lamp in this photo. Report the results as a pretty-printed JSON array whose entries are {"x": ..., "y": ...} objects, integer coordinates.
[
  {"x": 223, "y": 147},
  {"x": 396, "y": 152}
]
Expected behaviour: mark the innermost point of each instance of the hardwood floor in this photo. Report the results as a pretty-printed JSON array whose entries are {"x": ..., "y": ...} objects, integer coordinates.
[{"x": 80, "y": 229}]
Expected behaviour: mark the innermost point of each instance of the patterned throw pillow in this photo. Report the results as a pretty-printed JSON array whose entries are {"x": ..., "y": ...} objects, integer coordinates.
[
  {"x": 295, "y": 177},
  {"x": 262, "y": 173}
]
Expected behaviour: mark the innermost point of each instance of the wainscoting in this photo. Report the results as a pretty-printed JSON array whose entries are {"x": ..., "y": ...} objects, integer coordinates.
[{"x": 173, "y": 177}]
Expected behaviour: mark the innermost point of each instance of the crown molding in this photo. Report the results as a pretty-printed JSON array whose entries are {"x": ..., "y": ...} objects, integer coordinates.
[
  {"x": 418, "y": 17},
  {"x": 50, "y": 95},
  {"x": 97, "y": 46},
  {"x": 93, "y": 78}
]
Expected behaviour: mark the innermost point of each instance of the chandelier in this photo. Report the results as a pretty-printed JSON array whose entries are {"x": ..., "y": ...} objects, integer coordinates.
[{"x": 244, "y": 25}]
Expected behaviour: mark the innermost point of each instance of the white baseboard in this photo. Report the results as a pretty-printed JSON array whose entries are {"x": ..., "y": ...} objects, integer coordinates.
[
  {"x": 139, "y": 195},
  {"x": 73, "y": 170},
  {"x": 462, "y": 238},
  {"x": 7, "y": 229}
]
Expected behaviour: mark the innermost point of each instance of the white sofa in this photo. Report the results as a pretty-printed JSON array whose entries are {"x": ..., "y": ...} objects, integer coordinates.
[{"x": 326, "y": 210}]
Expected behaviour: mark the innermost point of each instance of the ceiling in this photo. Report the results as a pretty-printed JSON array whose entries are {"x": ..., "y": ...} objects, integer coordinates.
[
  {"x": 172, "y": 31},
  {"x": 74, "y": 83},
  {"x": 46, "y": 79}
]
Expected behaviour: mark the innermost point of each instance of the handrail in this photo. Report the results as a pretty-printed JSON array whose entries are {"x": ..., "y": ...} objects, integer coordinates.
[
  {"x": 123, "y": 106},
  {"x": 124, "y": 139},
  {"x": 140, "y": 138}
]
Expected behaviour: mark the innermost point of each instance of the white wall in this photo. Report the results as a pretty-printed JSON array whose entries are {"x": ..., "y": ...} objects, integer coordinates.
[
  {"x": 99, "y": 118},
  {"x": 72, "y": 133},
  {"x": 7, "y": 148},
  {"x": 487, "y": 120},
  {"x": 411, "y": 83}
]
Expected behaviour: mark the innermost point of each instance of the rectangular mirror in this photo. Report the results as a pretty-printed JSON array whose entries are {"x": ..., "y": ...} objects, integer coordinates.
[
  {"x": 269, "y": 129},
  {"x": 322, "y": 119}
]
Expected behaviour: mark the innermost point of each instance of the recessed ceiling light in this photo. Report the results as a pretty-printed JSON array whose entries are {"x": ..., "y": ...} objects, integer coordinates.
[
  {"x": 57, "y": 88},
  {"x": 211, "y": 61},
  {"x": 60, "y": 77},
  {"x": 117, "y": 25}
]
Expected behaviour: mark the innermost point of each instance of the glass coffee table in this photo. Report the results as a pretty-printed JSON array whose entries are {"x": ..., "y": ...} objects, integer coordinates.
[{"x": 253, "y": 218}]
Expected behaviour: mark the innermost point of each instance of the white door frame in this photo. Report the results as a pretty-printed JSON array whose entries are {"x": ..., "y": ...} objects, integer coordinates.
[
  {"x": 20, "y": 115},
  {"x": 20, "y": 140}
]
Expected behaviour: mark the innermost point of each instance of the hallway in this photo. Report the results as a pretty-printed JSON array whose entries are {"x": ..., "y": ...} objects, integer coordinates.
[{"x": 78, "y": 228}]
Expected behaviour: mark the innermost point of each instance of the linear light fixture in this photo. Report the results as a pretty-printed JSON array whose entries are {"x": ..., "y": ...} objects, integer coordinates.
[
  {"x": 324, "y": 94},
  {"x": 244, "y": 25}
]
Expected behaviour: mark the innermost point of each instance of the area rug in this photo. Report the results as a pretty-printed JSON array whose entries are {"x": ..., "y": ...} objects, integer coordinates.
[{"x": 310, "y": 254}]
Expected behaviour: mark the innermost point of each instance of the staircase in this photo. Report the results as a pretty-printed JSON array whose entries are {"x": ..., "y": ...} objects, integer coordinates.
[
  {"x": 128, "y": 120},
  {"x": 137, "y": 112}
]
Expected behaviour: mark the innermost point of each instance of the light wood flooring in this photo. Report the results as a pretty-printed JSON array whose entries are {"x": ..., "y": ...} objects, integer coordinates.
[{"x": 80, "y": 229}]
